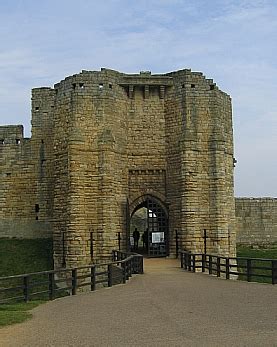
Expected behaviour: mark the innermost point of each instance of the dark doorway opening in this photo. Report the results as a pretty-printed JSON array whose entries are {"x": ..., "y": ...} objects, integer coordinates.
[{"x": 148, "y": 233}]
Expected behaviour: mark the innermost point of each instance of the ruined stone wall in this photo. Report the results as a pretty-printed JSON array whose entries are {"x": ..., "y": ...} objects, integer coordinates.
[
  {"x": 25, "y": 169},
  {"x": 256, "y": 222}
]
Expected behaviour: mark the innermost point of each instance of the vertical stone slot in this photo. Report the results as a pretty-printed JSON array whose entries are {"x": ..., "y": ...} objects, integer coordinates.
[{"x": 37, "y": 210}]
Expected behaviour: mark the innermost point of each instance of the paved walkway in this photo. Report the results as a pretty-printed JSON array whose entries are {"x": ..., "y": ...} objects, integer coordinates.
[{"x": 164, "y": 307}]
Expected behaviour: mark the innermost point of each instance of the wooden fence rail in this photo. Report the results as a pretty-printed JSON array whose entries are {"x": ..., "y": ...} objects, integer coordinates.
[
  {"x": 48, "y": 285},
  {"x": 249, "y": 269}
]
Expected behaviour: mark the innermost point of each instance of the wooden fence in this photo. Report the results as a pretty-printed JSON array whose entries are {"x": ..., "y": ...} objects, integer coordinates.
[
  {"x": 249, "y": 269},
  {"x": 48, "y": 285}
]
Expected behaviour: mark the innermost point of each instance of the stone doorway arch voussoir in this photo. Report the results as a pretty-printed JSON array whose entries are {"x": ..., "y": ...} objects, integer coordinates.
[{"x": 158, "y": 197}]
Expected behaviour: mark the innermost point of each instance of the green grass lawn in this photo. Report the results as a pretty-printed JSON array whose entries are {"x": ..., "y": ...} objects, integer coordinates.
[
  {"x": 16, "y": 313},
  {"x": 19, "y": 256},
  {"x": 256, "y": 253},
  {"x": 23, "y": 256},
  {"x": 248, "y": 252}
]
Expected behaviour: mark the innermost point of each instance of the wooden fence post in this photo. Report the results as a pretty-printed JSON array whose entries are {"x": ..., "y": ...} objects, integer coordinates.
[
  {"x": 193, "y": 263},
  {"x": 274, "y": 271},
  {"x": 124, "y": 271},
  {"x": 92, "y": 278},
  {"x": 203, "y": 262},
  {"x": 210, "y": 265},
  {"x": 141, "y": 265},
  {"x": 248, "y": 269},
  {"x": 26, "y": 288},
  {"x": 110, "y": 275},
  {"x": 74, "y": 282},
  {"x": 189, "y": 261},
  {"x": 51, "y": 285},
  {"x": 227, "y": 268},
  {"x": 218, "y": 266}
]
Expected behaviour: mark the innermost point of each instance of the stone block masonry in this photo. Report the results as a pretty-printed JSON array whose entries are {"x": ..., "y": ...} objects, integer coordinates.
[
  {"x": 103, "y": 143},
  {"x": 256, "y": 222}
]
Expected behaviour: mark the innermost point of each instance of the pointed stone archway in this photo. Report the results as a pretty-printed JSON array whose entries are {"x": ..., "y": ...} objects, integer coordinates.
[{"x": 156, "y": 235}]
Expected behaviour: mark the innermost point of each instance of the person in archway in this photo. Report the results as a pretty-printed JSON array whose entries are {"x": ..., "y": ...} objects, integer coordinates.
[
  {"x": 136, "y": 236},
  {"x": 145, "y": 239}
]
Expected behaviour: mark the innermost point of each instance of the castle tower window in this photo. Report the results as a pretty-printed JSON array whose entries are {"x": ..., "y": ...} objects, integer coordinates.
[
  {"x": 212, "y": 87},
  {"x": 183, "y": 85},
  {"x": 74, "y": 85},
  {"x": 37, "y": 108},
  {"x": 192, "y": 85},
  {"x": 36, "y": 208},
  {"x": 2, "y": 141},
  {"x": 17, "y": 141},
  {"x": 110, "y": 86},
  {"x": 101, "y": 86},
  {"x": 81, "y": 85}
]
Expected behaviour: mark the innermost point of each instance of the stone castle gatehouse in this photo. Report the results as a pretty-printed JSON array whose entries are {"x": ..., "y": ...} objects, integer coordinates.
[{"x": 105, "y": 144}]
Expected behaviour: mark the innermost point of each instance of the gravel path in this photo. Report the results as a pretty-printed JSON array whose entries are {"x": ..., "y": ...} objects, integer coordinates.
[{"x": 164, "y": 307}]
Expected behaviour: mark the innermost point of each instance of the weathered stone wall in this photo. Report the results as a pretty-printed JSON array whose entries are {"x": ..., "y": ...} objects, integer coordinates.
[
  {"x": 201, "y": 162},
  {"x": 102, "y": 141},
  {"x": 256, "y": 222},
  {"x": 22, "y": 212}
]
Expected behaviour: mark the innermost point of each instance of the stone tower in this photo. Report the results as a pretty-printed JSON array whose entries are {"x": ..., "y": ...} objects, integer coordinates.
[{"x": 106, "y": 143}]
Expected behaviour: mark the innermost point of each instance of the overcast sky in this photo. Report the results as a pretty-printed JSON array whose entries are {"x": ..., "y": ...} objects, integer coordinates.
[{"x": 232, "y": 41}]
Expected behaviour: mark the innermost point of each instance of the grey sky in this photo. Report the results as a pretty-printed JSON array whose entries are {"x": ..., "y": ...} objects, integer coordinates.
[{"x": 233, "y": 42}]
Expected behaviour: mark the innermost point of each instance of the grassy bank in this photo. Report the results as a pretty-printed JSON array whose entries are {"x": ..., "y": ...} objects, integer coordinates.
[
  {"x": 22, "y": 256},
  {"x": 243, "y": 251},
  {"x": 248, "y": 252},
  {"x": 18, "y": 256},
  {"x": 16, "y": 313}
]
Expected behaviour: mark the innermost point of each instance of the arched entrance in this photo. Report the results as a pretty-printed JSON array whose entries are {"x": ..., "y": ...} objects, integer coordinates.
[{"x": 154, "y": 238}]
